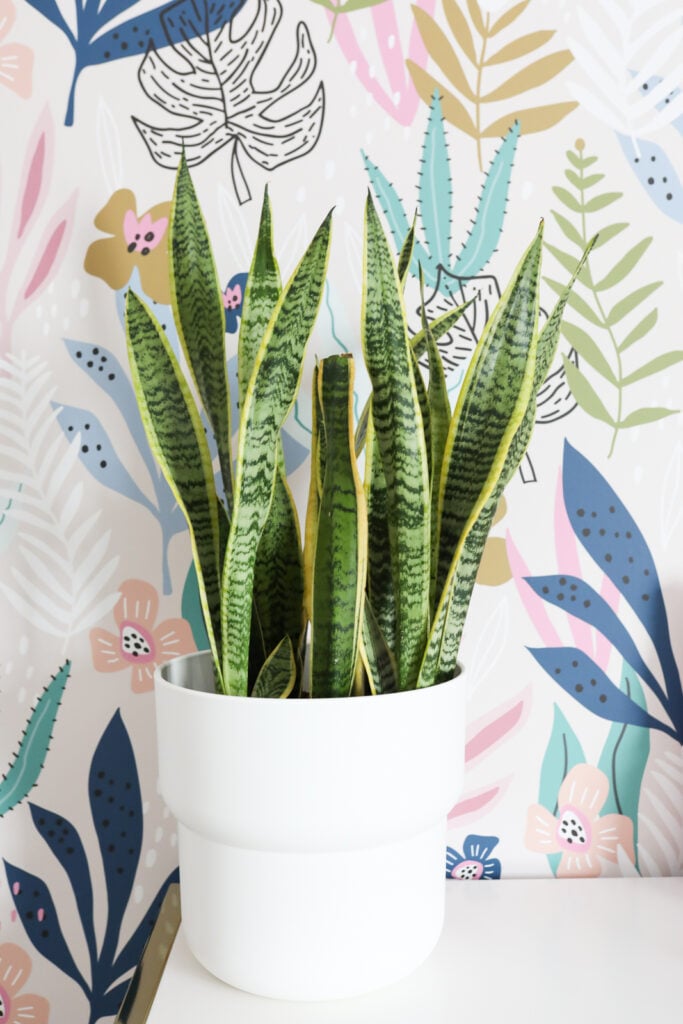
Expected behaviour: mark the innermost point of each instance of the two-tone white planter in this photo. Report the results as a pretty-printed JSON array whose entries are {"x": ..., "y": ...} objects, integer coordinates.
[{"x": 312, "y": 833}]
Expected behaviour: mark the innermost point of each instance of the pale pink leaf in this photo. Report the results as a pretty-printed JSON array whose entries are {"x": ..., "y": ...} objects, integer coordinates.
[
  {"x": 489, "y": 731},
  {"x": 36, "y": 173},
  {"x": 533, "y": 604},
  {"x": 568, "y": 563},
  {"x": 16, "y": 68},
  {"x": 473, "y": 804},
  {"x": 49, "y": 253}
]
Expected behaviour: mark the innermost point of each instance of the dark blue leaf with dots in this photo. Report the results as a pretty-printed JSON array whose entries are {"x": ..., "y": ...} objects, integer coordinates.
[
  {"x": 611, "y": 537},
  {"x": 93, "y": 43},
  {"x": 580, "y": 677},
  {"x": 97, "y": 452},
  {"x": 132, "y": 951},
  {"x": 65, "y": 843},
  {"x": 116, "y": 808},
  {"x": 233, "y": 300},
  {"x": 36, "y": 911},
  {"x": 578, "y": 598}
]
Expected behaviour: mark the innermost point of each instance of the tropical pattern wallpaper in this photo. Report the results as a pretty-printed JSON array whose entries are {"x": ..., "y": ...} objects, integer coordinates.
[{"x": 479, "y": 117}]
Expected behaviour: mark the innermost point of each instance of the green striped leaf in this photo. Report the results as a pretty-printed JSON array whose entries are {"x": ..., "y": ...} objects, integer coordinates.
[
  {"x": 576, "y": 302},
  {"x": 199, "y": 314},
  {"x": 176, "y": 437},
  {"x": 260, "y": 298},
  {"x": 315, "y": 490},
  {"x": 585, "y": 394},
  {"x": 624, "y": 266},
  {"x": 268, "y": 399},
  {"x": 400, "y": 437},
  {"x": 588, "y": 350},
  {"x": 627, "y": 305},
  {"x": 278, "y": 675},
  {"x": 377, "y": 658},
  {"x": 640, "y": 330},
  {"x": 662, "y": 362},
  {"x": 380, "y": 584},
  {"x": 341, "y": 545},
  {"x": 279, "y": 571},
  {"x": 406, "y": 254}
]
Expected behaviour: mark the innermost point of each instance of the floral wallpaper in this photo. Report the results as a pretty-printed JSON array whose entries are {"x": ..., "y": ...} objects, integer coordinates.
[{"x": 481, "y": 117}]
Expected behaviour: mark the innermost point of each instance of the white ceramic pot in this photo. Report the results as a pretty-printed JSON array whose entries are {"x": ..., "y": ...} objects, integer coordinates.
[{"x": 312, "y": 833}]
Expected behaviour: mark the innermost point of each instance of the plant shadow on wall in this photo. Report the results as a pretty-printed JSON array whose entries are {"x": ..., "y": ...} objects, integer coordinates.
[
  {"x": 592, "y": 515},
  {"x": 209, "y": 86},
  {"x": 610, "y": 306},
  {"x": 116, "y": 808}
]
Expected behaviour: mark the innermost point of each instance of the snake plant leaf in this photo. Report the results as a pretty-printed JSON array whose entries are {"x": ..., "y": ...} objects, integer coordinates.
[
  {"x": 462, "y": 573},
  {"x": 380, "y": 587},
  {"x": 260, "y": 298},
  {"x": 400, "y": 436},
  {"x": 268, "y": 399},
  {"x": 439, "y": 418},
  {"x": 177, "y": 439},
  {"x": 278, "y": 675},
  {"x": 199, "y": 314},
  {"x": 315, "y": 490},
  {"x": 406, "y": 254},
  {"x": 278, "y": 571},
  {"x": 423, "y": 401},
  {"x": 378, "y": 660},
  {"x": 339, "y": 570}
]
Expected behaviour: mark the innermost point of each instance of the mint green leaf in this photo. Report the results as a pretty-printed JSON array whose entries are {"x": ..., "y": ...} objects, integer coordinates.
[
  {"x": 627, "y": 305},
  {"x": 585, "y": 394},
  {"x": 588, "y": 350},
  {"x": 640, "y": 330},
  {"x": 642, "y": 416},
  {"x": 600, "y": 202},
  {"x": 624, "y": 266}
]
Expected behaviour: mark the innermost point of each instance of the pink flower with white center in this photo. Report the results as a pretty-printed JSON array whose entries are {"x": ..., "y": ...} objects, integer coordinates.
[
  {"x": 15, "y": 968},
  {"x": 578, "y": 832},
  {"x": 139, "y": 645}
]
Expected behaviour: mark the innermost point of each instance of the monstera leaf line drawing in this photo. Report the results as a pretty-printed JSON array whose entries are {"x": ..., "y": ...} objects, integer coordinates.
[{"x": 210, "y": 86}]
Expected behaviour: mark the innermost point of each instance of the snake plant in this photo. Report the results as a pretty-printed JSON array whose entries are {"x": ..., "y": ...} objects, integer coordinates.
[{"x": 399, "y": 505}]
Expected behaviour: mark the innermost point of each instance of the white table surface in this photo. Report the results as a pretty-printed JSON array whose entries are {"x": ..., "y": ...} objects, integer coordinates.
[{"x": 604, "y": 951}]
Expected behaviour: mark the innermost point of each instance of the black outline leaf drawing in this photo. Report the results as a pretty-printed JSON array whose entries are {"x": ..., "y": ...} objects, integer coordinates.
[{"x": 210, "y": 85}]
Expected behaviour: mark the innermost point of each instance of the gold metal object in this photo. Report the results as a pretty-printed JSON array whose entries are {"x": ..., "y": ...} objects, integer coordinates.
[{"x": 144, "y": 984}]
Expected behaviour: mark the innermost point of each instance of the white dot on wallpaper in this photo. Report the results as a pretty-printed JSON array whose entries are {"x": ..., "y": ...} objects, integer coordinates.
[
  {"x": 150, "y": 858},
  {"x": 391, "y": 42},
  {"x": 637, "y": 474},
  {"x": 145, "y": 807},
  {"x": 39, "y": 311},
  {"x": 301, "y": 194},
  {"x": 527, "y": 189},
  {"x": 158, "y": 834},
  {"x": 30, "y": 671},
  {"x": 387, "y": 124},
  {"x": 329, "y": 169},
  {"x": 21, "y": 695},
  {"x": 51, "y": 288},
  {"x": 65, "y": 323},
  {"x": 138, "y": 893},
  {"x": 83, "y": 307},
  {"x": 368, "y": 138},
  {"x": 46, "y": 328},
  {"x": 396, "y": 97},
  {"x": 75, "y": 288},
  {"x": 23, "y": 644}
]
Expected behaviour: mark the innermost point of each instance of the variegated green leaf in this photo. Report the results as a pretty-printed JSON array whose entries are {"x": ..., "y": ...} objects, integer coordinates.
[
  {"x": 377, "y": 658},
  {"x": 341, "y": 545},
  {"x": 315, "y": 490},
  {"x": 406, "y": 254},
  {"x": 380, "y": 582},
  {"x": 279, "y": 572},
  {"x": 400, "y": 436},
  {"x": 199, "y": 315},
  {"x": 268, "y": 399},
  {"x": 176, "y": 437},
  {"x": 260, "y": 298},
  {"x": 278, "y": 675}
]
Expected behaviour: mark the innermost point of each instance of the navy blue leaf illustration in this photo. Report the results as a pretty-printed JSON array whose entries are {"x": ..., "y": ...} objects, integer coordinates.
[
  {"x": 611, "y": 537},
  {"x": 233, "y": 299},
  {"x": 130, "y": 955},
  {"x": 108, "y": 1005},
  {"x": 580, "y": 677},
  {"x": 65, "y": 843},
  {"x": 93, "y": 43},
  {"x": 36, "y": 911},
  {"x": 578, "y": 598},
  {"x": 116, "y": 808},
  {"x": 97, "y": 452}
]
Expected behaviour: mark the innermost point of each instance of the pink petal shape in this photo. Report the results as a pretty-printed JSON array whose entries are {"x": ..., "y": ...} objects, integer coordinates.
[
  {"x": 489, "y": 731},
  {"x": 541, "y": 830},
  {"x": 106, "y": 651},
  {"x": 16, "y": 69},
  {"x": 610, "y": 832},
  {"x": 142, "y": 678},
  {"x": 48, "y": 255},
  {"x": 30, "y": 1009},
  {"x": 172, "y": 638},
  {"x": 473, "y": 804},
  {"x": 15, "y": 967},
  {"x": 566, "y": 551},
  {"x": 38, "y": 170},
  {"x": 579, "y": 865},
  {"x": 7, "y": 16},
  {"x": 139, "y": 603},
  {"x": 535, "y": 607},
  {"x": 586, "y": 789}
]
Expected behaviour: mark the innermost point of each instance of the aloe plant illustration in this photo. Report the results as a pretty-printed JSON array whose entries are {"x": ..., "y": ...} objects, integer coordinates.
[
  {"x": 433, "y": 479},
  {"x": 213, "y": 92},
  {"x": 469, "y": 48},
  {"x": 604, "y": 347},
  {"x": 26, "y": 765},
  {"x": 99, "y": 37}
]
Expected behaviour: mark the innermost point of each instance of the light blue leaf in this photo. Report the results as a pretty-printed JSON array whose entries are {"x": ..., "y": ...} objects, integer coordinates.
[
  {"x": 434, "y": 187},
  {"x": 490, "y": 212},
  {"x": 656, "y": 173}
]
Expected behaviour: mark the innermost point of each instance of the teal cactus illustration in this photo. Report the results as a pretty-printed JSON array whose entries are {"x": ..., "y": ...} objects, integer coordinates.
[
  {"x": 28, "y": 761},
  {"x": 435, "y": 205}
]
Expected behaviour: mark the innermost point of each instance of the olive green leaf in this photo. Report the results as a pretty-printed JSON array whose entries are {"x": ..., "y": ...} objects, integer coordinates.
[
  {"x": 260, "y": 298},
  {"x": 278, "y": 675},
  {"x": 377, "y": 657},
  {"x": 380, "y": 585},
  {"x": 199, "y": 314},
  {"x": 339, "y": 569}
]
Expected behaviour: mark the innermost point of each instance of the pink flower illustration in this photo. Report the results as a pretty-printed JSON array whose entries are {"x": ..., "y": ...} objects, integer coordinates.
[
  {"x": 16, "y": 60},
  {"x": 139, "y": 644},
  {"x": 15, "y": 968},
  {"x": 578, "y": 832}
]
